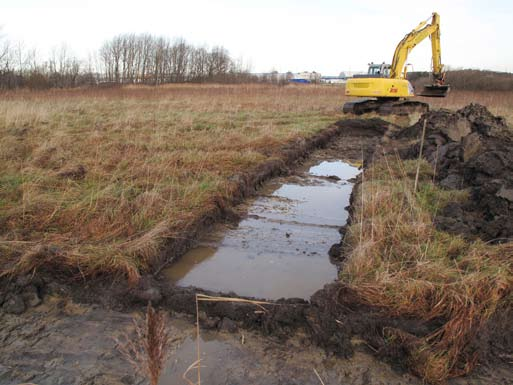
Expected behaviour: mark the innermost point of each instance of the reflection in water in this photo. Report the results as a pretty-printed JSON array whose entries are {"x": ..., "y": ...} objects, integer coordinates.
[
  {"x": 281, "y": 248},
  {"x": 338, "y": 168},
  {"x": 188, "y": 261}
]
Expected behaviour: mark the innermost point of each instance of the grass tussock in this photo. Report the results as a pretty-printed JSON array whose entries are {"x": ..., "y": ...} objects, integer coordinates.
[{"x": 400, "y": 262}]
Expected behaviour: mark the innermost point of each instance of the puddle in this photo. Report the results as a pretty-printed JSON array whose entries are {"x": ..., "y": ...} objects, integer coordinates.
[
  {"x": 337, "y": 168},
  {"x": 280, "y": 250},
  {"x": 219, "y": 358}
]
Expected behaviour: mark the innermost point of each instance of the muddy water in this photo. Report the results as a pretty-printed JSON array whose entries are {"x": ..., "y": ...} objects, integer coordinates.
[{"x": 280, "y": 249}]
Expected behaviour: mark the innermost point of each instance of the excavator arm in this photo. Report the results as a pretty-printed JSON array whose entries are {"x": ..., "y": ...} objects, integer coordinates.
[{"x": 403, "y": 49}]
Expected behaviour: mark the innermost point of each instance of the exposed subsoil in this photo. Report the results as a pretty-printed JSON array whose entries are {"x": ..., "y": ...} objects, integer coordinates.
[{"x": 45, "y": 342}]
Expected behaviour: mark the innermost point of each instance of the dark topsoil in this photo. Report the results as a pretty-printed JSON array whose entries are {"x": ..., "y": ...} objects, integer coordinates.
[{"x": 470, "y": 148}]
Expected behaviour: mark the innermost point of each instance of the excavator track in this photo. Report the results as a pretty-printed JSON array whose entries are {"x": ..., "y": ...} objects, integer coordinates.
[{"x": 385, "y": 107}]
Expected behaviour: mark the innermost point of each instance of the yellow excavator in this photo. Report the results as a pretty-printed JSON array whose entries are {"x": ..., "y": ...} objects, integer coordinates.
[{"x": 386, "y": 84}]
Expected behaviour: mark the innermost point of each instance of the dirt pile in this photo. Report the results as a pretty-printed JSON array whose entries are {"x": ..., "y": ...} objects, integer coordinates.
[{"x": 469, "y": 149}]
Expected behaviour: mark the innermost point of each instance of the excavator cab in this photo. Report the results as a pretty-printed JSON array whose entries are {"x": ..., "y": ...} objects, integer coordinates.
[{"x": 376, "y": 71}]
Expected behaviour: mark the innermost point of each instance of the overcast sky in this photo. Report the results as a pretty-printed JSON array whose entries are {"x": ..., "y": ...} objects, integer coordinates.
[{"x": 328, "y": 36}]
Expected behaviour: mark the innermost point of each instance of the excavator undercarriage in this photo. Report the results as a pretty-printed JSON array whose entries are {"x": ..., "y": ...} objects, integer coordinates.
[{"x": 385, "y": 107}]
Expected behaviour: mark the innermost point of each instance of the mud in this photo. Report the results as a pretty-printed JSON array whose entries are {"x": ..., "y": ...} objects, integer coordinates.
[
  {"x": 61, "y": 342},
  {"x": 470, "y": 149},
  {"x": 228, "y": 361}
]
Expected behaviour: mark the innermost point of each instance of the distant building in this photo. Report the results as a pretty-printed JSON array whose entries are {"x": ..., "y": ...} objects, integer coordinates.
[
  {"x": 296, "y": 80},
  {"x": 333, "y": 79},
  {"x": 273, "y": 77},
  {"x": 306, "y": 77}
]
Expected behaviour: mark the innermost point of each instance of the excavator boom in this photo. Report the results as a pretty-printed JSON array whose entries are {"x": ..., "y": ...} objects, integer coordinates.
[{"x": 406, "y": 45}]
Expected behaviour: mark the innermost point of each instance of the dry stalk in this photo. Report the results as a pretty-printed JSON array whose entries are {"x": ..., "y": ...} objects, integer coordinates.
[
  {"x": 148, "y": 352},
  {"x": 318, "y": 376},
  {"x": 208, "y": 298},
  {"x": 420, "y": 155},
  {"x": 436, "y": 162},
  {"x": 362, "y": 202},
  {"x": 194, "y": 365}
]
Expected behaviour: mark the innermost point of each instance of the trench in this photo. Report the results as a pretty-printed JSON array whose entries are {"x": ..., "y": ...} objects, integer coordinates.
[{"x": 280, "y": 247}]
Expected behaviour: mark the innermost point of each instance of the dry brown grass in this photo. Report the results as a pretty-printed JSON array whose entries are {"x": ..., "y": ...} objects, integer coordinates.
[
  {"x": 400, "y": 262},
  {"x": 96, "y": 180}
]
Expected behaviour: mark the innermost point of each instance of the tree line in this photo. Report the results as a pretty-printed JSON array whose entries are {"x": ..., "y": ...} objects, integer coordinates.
[
  {"x": 469, "y": 79},
  {"x": 124, "y": 59}
]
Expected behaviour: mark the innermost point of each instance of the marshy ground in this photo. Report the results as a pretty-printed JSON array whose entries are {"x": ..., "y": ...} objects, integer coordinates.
[{"x": 101, "y": 188}]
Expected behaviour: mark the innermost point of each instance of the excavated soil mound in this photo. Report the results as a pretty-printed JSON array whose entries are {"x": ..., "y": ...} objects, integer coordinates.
[{"x": 470, "y": 149}]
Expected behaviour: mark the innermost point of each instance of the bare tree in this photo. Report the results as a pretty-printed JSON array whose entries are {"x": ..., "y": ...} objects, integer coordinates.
[{"x": 124, "y": 59}]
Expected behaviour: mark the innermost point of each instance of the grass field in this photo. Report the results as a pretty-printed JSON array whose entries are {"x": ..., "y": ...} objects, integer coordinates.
[{"x": 97, "y": 179}]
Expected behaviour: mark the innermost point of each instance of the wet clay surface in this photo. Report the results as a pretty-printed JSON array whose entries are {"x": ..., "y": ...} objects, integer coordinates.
[
  {"x": 60, "y": 342},
  {"x": 234, "y": 359},
  {"x": 280, "y": 249}
]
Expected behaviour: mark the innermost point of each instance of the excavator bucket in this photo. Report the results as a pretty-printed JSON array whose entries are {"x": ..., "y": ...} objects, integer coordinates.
[{"x": 435, "y": 91}]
